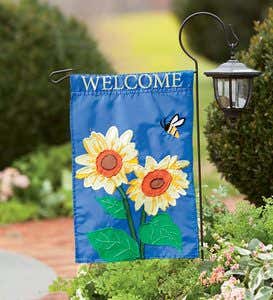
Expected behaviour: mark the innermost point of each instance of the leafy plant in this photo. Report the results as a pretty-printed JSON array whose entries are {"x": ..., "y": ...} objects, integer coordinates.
[
  {"x": 233, "y": 269},
  {"x": 243, "y": 152},
  {"x": 243, "y": 272},
  {"x": 145, "y": 280},
  {"x": 213, "y": 211},
  {"x": 35, "y": 39},
  {"x": 15, "y": 211},
  {"x": 254, "y": 11},
  {"x": 247, "y": 222},
  {"x": 50, "y": 189}
]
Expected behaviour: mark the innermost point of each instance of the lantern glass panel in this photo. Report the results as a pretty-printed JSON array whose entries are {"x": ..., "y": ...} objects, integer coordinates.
[
  {"x": 222, "y": 92},
  {"x": 240, "y": 91}
]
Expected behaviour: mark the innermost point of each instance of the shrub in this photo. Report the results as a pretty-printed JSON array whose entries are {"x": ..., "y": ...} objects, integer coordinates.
[
  {"x": 238, "y": 271},
  {"x": 210, "y": 32},
  {"x": 141, "y": 280},
  {"x": 243, "y": 152},
  {"x": 15, "y": 211},
  {"x": 50, "y": 180},
  {"x": 36, "y": 39},
  {"x": 251, "y": 222}
]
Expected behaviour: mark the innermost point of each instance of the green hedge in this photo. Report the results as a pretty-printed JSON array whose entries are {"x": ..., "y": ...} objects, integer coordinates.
[
  {"x": 204, "y": 31},
  {"x": 35, "y": 40},
  {"x": 243, "y": 152}
]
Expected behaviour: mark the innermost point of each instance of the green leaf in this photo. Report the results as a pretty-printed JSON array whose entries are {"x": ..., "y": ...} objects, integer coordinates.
[
  {"x": 242, "y": 251},
  {"x": 161, "y": 231},
  {"x": 255, "y": 278},
  {"x": 268, "y": 273},
  {"x": 113, "y": 207},
  {"x": 253, "y": 244},
  {"x": 113, "y": 244},
  {"x": 248, "y": 295},
  {"x": 265, "y": 256},
  {"x": 264, "y": 293}
]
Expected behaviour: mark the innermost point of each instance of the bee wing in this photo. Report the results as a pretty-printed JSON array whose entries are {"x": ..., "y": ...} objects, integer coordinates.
[
  {"x": 174, "y": 119},
  {"x": 179, "y": 122}
]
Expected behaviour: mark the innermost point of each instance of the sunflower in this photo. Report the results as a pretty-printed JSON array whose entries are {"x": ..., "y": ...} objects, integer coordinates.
[
  {"x": 158, "y": 185},
  {"x": 108, "y": 159}
]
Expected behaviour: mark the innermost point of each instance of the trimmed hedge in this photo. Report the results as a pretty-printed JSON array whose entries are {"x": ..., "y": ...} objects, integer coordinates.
[
  {"x": 243, "y": 153},
  {"x": 36, "y": 39},
  {"x": 204, "y": 31}
]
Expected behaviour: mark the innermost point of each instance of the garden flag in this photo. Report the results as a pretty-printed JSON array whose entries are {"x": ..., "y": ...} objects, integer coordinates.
[{"x": 133, "y": 184}]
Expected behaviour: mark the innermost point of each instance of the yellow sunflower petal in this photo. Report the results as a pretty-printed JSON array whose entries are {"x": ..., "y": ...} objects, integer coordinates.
[
  {"x": 87, "y": 143},
  {"x": 100, "y": 139},
  {"x": 167, "y": 197},
  {"x": 126, "y": 137},
  {"x": 119, "y": 179},
  {"x": 111, "y": 136},
  {"x": 148, "y": 206},
  {"x": 180, "y": 164},
  {"x": 110, "y": 187},
  {"x": 139, "y": 202},
  {"x": 88, "y": 181},
  {"x": 164, "y": 163},
  {"x": 94, "y": 145},
  {"x": 133, "y": 186},
  {"x": 150, "y": 163},
  {"x": 130, "y": 155},
  {"x": 83, "y": 172},
  {"x": 139, "y": 171},
  {"x": 173, "y": 160},
  {"x": 98, "y": 183},
  {"x": 83, "y": 159}
]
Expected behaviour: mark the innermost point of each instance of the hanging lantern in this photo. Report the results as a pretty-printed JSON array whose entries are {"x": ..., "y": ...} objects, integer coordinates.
[{"x": 232, "y": 83}]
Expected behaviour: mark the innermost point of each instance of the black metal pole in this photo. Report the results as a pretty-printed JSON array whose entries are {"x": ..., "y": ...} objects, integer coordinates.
[{"x": 231, "y": 45}]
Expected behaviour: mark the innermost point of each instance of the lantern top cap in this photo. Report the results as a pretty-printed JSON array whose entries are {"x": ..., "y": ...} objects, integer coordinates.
[{"x": 232, "y": 68}]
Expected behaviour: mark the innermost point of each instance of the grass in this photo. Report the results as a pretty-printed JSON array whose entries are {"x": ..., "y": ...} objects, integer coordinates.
[{"x": 148, "y": 42}]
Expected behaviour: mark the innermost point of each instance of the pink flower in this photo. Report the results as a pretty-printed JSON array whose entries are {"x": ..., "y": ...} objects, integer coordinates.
[
  {"x": 235, "y": 267},
  {"x": 10, "y": 178},
  {"x": 21, "y": 181},
  {"x": 217, "y": 275},
  {"x": 229, "y": 290},
  {"x": 262, "y": 247}
]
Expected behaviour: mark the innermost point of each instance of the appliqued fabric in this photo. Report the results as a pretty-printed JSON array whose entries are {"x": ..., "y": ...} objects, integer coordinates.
[{"x": 132, "y": 157}]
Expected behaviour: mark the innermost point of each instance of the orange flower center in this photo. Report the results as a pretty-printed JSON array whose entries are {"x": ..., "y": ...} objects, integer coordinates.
[
  {"x": 156, "y": 183},
  {"x": 108, "y": 163}
]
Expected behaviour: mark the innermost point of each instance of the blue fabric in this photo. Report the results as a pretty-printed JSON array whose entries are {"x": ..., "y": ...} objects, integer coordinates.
[{"x": 137, "y": 102}]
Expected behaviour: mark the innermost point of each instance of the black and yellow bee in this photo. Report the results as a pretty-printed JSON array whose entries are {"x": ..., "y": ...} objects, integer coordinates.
[{"x": 171, "y": 126}]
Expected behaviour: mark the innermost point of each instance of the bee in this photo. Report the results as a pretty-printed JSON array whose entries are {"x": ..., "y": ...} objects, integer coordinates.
[{"x": 171, "y": 127}]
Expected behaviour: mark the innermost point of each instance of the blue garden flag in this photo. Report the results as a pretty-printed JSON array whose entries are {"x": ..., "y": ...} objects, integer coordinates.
[{"x": 133, "y": 184}]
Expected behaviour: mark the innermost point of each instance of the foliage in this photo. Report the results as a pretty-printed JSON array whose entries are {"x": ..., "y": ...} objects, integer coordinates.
[
  {"x": 243, "y": 152},
  {"x": 227, "y": 267},
  {"x": 251, "y": 222},
  {"x": 152, "y": 279},
  {"x": 213, "y": 211},
  {"x": 50, "y": 181},
  {"x": 35, "y": 39},
  {"x": 201, "y": 43},
  {"x": 243, "y": 271},
  {"x": 238, "y": 272},
  {"x": 15, "y": 211},
  {"x": 45, "y": 163}
]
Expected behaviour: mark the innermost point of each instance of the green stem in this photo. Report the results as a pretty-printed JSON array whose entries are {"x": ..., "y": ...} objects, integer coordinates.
[
  {"x": 142, "y": 221},
  {"x": 128, "y": 213}
]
